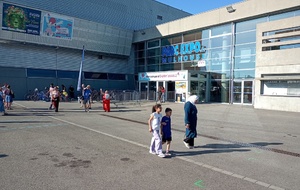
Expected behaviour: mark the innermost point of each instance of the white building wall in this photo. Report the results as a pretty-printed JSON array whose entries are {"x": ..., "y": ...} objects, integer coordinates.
[{"x": 277, "y": 62}]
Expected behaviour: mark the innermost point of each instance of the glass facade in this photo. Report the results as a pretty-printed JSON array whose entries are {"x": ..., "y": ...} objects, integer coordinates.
[{"x": 229, "y": 52}]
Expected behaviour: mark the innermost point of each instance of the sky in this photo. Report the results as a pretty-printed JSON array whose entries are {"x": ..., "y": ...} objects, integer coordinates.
[{"x": 198, "y": 6}]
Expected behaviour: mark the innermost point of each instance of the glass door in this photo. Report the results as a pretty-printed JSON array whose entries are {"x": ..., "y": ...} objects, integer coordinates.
[
  {"x": 247, "y": 92},
  {"x": 144, "y": 90},
  {"x": 237, "y": 92},
  {"x": 242, "y": 92}
]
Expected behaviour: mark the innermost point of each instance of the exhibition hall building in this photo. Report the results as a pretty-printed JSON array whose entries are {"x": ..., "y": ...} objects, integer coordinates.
[{"x": 247, "y": 53}]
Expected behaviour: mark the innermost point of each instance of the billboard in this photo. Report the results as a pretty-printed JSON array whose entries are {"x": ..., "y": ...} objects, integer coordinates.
[
  {"x": 58, "y": 26},
  {"x": 21, "y": 19}
]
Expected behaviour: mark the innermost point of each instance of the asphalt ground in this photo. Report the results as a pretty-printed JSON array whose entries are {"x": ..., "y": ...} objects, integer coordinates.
[{"x": 238, "y": 147}]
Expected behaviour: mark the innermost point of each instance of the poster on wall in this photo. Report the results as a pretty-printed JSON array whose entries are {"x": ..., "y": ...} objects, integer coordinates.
[
  {"x": 58, "y": 26},
  {"x": 180, "y": 88},
  {"x": 21, "y": 19}
]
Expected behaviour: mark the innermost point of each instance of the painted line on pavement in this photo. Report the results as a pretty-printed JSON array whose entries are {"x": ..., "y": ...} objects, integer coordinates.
[
  {"x": 220, "y": 139},
  {"x": 181, "y": 158}
]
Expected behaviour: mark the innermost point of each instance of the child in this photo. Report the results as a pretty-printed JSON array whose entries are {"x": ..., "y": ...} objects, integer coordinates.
[
  {"x": 166, "y": 130},
  {"x": 86, "y": 98},
  {"x": 154, "y": 125}
]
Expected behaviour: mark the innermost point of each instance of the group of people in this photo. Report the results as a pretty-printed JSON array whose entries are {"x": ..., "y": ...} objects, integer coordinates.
[
  {"x": 85, "y": 98},
  {"x": 160, "y": 127},
  {"x": 6, "y": 98},
  {"x": 55, "y": 97}
]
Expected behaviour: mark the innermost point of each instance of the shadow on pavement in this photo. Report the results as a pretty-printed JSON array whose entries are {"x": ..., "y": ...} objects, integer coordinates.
[
  {"x": 193, "y": 153},
  {"x": 262, "y": 144},
  {"x": 3, "y": 155}
]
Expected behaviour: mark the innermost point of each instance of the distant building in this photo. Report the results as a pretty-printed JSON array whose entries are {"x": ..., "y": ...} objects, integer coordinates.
[
  {"x": 247, "y": 53},
  {"x": 41, "y": 41}
]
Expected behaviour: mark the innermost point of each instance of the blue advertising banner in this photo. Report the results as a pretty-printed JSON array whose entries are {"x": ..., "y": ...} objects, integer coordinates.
[
  {"x": 21, "y": 19},
  {"x": 58, "y": 26}
]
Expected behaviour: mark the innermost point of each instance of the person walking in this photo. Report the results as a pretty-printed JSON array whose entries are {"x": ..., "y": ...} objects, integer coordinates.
[
  {"x": 166, "y": 130},
  {"x": 190, "y": 120},
  {"x": 56, "y": 98},
  {"x": 105, "y": 100},
  {"x": 154, "y": 123},
  {"x": 86, "y": 98},
  {"x": 51, "y": 89},
  {"x": 163, "y": 91}
]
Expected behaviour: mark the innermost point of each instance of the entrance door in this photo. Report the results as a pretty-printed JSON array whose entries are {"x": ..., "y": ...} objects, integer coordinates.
[
  {"x": 144, "y": 90},
  {"x": 199, "y": 88},
  {"x": 242, "y": 92}
]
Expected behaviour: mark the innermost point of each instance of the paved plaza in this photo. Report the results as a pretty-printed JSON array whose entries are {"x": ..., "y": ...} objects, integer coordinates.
[{"x": 238, "y": 147}]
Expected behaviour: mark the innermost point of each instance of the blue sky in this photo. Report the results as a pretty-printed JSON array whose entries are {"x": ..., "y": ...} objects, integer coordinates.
[{"x": 198, "y": 6}]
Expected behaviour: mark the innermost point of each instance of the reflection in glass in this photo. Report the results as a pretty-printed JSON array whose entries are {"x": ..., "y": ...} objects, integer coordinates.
[
  {"x": 199, "y": 88},
  {"x": 221, "y": 64},
  {"x": 242, "y": 74},
  {"x": 249, "y": 24},
  {"x": 248, "y": 49},
  {"x": 222, "y": 41},
  {"x": 244, "y": 62},
  {"x": 247, "y": 92},
  {"x": 219, "y": 30},
  {"x": 237, "y": 92},
  {"x": 219, "y": 91},
  {"x": 282, "y": 16},
  {"x": 220, "y": 75},
  {"x": 245, "y": 37}
]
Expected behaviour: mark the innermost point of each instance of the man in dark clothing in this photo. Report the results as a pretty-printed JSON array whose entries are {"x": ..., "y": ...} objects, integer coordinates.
[{"x": 71, "y": 92}]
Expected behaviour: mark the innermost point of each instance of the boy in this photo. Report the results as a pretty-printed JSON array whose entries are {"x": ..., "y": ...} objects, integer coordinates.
[
  {"x": 166, "y": 130},
  {"x": 86, "y": 98}
]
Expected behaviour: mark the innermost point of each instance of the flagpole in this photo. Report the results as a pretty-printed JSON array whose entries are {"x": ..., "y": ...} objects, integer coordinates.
[{"x": 80, "y": 71}]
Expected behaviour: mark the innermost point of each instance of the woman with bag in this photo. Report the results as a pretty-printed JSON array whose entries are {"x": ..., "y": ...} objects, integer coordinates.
[{"x": 190, "y": 120}]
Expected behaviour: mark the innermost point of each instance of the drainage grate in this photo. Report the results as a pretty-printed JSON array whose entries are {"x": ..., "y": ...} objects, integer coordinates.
[{"x": 218, "y": 138}]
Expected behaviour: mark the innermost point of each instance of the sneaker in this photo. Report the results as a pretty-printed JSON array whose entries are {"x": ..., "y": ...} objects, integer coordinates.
[
  {"x": 168, "y": 154},
  {"x": 186, "y": 144},
  {"x": 152, "y": 152},
  {"x": 161, "y": 155}
]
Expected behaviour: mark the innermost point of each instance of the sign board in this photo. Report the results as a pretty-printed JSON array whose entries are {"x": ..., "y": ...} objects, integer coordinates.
[
  {"x": 58, "y": 26},
  {"x": 20, "y": 19},
  {"x": 201, "y": 63},
  {"x": 164, "y": 76}
]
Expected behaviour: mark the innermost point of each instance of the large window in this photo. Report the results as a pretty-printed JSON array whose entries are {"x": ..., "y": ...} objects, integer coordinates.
[{"x": 281, "y": 87}]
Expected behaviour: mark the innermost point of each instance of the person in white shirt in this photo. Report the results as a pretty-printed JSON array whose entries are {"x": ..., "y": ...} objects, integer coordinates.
[
  {"x": 154, "y": 126},
  {"x": 51, "y": 89}
]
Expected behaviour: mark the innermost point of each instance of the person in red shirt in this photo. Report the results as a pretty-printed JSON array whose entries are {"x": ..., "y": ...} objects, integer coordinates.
[{"x": 106, "y": 100}]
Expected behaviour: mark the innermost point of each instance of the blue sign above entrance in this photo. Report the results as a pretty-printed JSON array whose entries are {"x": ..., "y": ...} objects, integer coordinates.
[{"x": 191, "y": 51}]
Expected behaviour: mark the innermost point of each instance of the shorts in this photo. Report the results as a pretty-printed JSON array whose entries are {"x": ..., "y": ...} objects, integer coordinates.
[
  {"x": 86, "y": 101},
  {"x": 8, "y": 99},
  {"x": 165, "y": 139}
]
